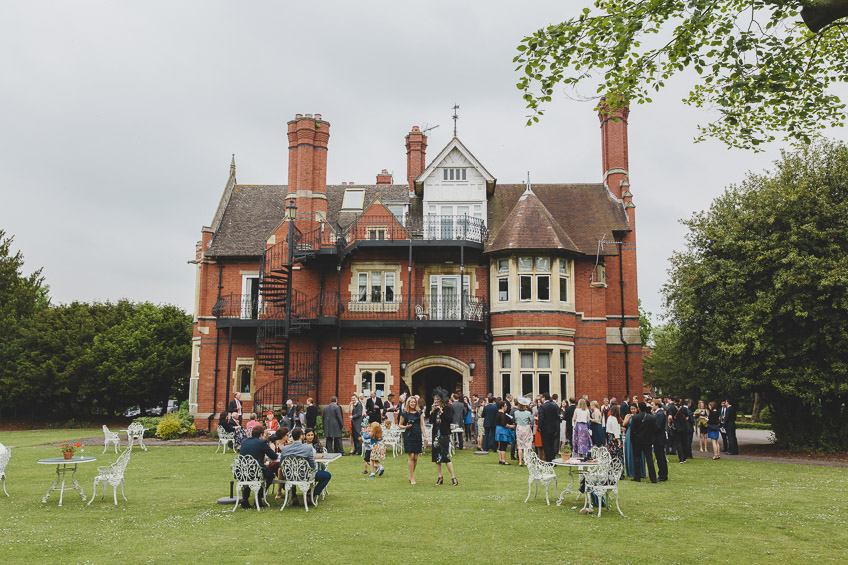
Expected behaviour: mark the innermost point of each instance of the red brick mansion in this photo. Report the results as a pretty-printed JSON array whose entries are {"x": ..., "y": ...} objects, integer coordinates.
[{"x": 450, "y": 279}]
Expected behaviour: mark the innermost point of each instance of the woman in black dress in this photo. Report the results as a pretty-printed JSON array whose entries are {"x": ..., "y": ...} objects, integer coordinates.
[
  {"x": 311, "y": 413},
  {"x": 441, "y": 416},
  {"x": 413, "y": 434}
]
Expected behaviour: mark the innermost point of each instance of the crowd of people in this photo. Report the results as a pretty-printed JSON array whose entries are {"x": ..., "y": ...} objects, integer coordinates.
[{"x": 641, "y": 433}]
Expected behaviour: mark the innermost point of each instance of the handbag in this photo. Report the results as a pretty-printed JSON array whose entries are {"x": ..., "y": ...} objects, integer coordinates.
[{"x": 713, "y": 427}]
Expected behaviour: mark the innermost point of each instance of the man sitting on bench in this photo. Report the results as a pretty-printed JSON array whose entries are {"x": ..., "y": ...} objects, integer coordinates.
[{"x": 305, "y": 450}]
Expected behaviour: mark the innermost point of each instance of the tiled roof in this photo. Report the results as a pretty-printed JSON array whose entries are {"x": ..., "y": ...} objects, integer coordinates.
[
  {"x": 586, "y": 212},
  {"x": 252, "y": 213},
  {"x": 386, "y": 192},
  {"x": 530, "y": 225}
]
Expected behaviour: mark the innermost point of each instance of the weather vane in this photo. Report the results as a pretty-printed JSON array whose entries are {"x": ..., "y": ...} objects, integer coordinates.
[{"x": 455, "y": 118}]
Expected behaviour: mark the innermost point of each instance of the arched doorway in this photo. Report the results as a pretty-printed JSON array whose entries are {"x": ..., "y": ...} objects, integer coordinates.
[{"x": 427, "y": 379}]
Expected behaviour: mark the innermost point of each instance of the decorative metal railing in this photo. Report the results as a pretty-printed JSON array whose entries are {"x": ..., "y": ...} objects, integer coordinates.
[
  {"x": 425, "y": 307},
  {"x": 374, "y": 227}
]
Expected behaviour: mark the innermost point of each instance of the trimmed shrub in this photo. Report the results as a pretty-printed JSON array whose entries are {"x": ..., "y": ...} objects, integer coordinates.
[{"x": 168, "y": 428}]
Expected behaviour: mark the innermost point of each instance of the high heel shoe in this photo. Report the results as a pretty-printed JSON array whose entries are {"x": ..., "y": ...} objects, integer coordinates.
[
  {"x": 454, "y": 482},
  {"x": 440, "y": 480}
]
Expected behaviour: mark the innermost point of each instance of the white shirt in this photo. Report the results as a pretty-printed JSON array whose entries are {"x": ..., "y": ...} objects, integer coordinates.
[
  {"x": 613, "y": 427},
  {"x": 581, "y": 416}
]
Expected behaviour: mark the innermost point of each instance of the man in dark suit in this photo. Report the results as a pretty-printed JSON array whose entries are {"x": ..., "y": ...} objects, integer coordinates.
[
  {"x": 374, "y": 408},
  {"x": 356, "y": 425},
  {"x": 660, "y": 420},
  {"x": 333, "y": 425},
  {"x": 728, "y": 423},
  {"x": 642, "y": 436},
  {"x": 235, "y": 406},
  {"x": 257, "y": 447},
  {"x": 549, "y": 427},
  {"x": 569, "y": 416},
  {"x": 490, "y": 411}
]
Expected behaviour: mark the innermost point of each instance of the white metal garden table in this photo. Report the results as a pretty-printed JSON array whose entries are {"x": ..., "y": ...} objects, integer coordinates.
[
  {"x": 63, "y": 466},
  {"x": 572, "y": 466}
]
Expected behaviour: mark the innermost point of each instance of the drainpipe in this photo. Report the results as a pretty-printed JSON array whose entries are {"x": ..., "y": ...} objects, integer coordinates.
[
  {"x": 621, "y": 326},
  {"x": 217, "y": 340},
  {"x": 338, "y": 322},
  {"x": 229, "y": 358}
]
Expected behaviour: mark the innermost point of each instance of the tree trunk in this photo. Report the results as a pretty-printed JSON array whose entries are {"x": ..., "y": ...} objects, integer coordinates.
[
  {"x": 823, "y": 12},
  {"x": 755, "y": 412}
]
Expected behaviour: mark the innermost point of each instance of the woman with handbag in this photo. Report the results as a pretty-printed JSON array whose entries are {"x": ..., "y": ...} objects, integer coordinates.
[
  {"x": 701, "y": 417},
  {"x": 713, "y": 428}
]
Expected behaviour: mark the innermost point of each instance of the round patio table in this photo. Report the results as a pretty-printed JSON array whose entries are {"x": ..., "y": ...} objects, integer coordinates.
[{"x": 63, "y": 466}]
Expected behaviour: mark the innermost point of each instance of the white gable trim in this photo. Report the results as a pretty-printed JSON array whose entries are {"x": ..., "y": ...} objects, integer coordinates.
[{"x": 455, "y": 143}]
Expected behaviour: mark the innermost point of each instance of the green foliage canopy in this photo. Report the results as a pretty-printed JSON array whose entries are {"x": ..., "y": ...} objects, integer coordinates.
[
  {"x": 759, "y": 299},
  {"x": 759, "y": 65}
]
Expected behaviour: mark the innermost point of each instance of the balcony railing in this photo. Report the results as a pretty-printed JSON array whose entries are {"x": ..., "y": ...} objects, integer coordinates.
[
  {"x": 428, "y": 307},
  {"x": 373, "y": 227},
  {"x": 252, "y": 307}
]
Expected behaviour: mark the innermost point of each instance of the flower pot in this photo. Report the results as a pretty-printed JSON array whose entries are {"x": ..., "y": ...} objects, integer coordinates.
[{"x": 67, "y": 454}]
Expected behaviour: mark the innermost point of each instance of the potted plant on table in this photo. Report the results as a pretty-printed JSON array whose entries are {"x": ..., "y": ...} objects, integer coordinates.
[{"x": 68, "y": 449}]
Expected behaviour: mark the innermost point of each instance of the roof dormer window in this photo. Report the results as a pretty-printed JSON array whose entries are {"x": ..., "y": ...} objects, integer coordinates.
[
  {"x": 353, "y": 199},
  {"x": 453, "y": 174}
]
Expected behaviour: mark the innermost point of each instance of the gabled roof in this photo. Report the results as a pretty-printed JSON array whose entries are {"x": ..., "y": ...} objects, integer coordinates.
[
  {"x": 585, "y": 212},
  {"x": 455, "y": 143},
  {"x": 530, "y": 225},
  {"x": 247, "y": 216}
]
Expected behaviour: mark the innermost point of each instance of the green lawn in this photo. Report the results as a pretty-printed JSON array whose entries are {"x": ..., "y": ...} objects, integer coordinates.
[
  {"x": 38, "y": 437},
  {"x": 753, "y": 511}
]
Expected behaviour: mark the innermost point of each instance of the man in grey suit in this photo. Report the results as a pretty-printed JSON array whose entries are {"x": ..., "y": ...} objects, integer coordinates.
[
  {"x": 356, "y": 425},
  {"x": 305, "y": 450},
  {"x": 459, "y": 410},
  {"x": 333, "y": 425}
]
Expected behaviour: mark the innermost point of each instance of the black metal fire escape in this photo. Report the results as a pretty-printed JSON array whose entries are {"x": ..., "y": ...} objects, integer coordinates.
[{"x": 284, "y": 312}]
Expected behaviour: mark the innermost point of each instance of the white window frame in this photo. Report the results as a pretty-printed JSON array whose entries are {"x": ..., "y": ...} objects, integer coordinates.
[
  {"x": 245, "y": 310},
  {"x": 535, "y": 371},
  {"x": 351, "y": 197},
  {"x": 455, "y": 174},
  {"x": 374, "y": 279}
]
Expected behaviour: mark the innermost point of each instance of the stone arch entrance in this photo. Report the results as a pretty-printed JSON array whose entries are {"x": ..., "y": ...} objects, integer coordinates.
[{"x": 426, "y": 373}]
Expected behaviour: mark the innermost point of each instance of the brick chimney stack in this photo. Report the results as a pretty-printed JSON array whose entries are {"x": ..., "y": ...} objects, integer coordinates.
[
  {"x": 614, "y": 150},
  {"x": 384, "y": 177},
  {"x": 416, "y": 150},
  {"x": 308, "y": 137}
]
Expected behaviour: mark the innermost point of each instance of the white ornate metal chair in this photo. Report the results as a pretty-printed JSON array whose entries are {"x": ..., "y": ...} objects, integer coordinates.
[
  {"x": 113, "y": 475},
  {"x": 541, "y": 472},
  {"x": 110, "y": 437},
  {"x": 5, "y": 455},
  {"x": 298, "y": 474},
  {"x": 419, "y": 313},
  {"x": 225, "y": 438},
  {"x": 603, "y": 479},
  {"x": 248, "y": 473},
  {"x": 393, "y": 437},
  {"x": 135, "y": 431}
]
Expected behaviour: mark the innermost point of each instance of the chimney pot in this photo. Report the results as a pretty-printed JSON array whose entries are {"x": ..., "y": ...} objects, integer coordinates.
[
  {"x": 317, "y": 116},
  {"x": 415, "y": 128},
  {"x": 308, "y": 115},
  {"x": 298, "y": 116},
  {"x": 344, "y": 183},
  {"x": 384, "y": 172}
]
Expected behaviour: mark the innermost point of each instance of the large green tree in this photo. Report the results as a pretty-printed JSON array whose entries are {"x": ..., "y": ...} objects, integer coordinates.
[
  {"x": 758, "y": 301},
  {"x": 765, "y": 65},
  {"x": 21, "y": 298}
]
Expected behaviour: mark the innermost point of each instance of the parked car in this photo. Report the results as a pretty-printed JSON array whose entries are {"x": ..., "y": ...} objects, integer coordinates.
[
  {"x": 132, "y": 412},
  {"x": 160, "y": 410}
]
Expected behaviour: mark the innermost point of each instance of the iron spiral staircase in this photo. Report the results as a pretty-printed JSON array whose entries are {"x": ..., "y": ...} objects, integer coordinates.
[{"x": 284, "y": 312}]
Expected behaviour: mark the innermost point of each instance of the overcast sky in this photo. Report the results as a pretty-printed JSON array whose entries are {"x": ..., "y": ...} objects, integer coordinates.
[{"x": 118, "y": 119}]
